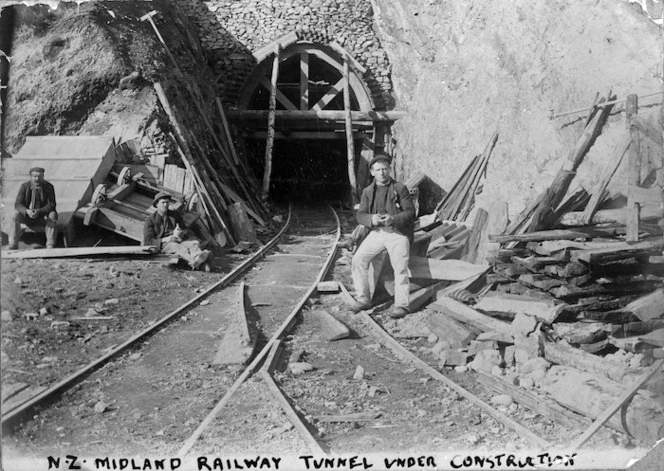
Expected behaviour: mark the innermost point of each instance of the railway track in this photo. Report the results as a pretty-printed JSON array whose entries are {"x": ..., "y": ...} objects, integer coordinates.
[{"x": 175, "y": 395}]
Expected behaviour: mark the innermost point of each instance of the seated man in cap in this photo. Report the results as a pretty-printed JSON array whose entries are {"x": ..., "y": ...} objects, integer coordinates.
[
  {"x": 166, "y": 230},
  {"x": 35, "y": 208},
  {"x": 387, "y": 210}
]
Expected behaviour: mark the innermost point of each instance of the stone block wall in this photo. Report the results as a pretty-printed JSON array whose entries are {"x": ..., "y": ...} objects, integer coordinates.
[{"x": 231, "y": 30}]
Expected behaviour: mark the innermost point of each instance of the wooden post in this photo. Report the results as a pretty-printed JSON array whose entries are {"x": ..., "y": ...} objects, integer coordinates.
[
  {"x": 270, "y": 124},
  {"x": 349, "y": 135},
  {"x": 633, "y": 209},
  {"x": 304, "y": 81}
]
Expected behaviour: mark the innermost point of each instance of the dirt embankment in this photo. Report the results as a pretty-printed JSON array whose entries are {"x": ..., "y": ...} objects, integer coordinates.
[
  {"x": 88, "y": 69},
  {"x": 466, "y": 69}
]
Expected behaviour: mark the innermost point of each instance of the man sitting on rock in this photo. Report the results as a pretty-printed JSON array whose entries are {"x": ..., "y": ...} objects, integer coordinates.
[
  {"x": 166, "y": 230},
  {"x": 387, "y": 209},
  {"x": 35, "y": 208}
]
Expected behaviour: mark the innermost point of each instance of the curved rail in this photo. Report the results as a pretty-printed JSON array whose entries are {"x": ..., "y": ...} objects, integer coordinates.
[
  {"x": 266, "y": 349},
  {"x": 11, "y": 416}
]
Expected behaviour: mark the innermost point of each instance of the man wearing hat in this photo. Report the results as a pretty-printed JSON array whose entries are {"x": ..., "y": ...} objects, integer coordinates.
[
  {"x": 166, "y": 230},
  {"x": 35, "y": 208},
  {"x": 387, "y": 210}
]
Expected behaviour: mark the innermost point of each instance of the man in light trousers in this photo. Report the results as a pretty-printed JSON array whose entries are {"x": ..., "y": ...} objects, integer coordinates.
[{"x": 387, "y": 209}]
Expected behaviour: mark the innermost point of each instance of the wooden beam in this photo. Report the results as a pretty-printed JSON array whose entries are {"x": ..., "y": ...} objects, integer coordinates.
[
  {"x": 603, "y": 216},
  {"x": 356, "y": 65},
  {"x": 270, "y": 126},
  {"x": 463, "y": 313},
  {"x": 472, "y": 243},
  {"x": 281, "y": 98},
  {"x": 563, "y": 354},
  {"x": 450, "y": 270},
  {"x": 138, "y": 250},
  {"x": 313, "y": 115},
  {"x": 555, "y": 234},
  {"x": 284, "y": 41},
  {"x": 227, "y": 131},
  {"x": 597, "y": 192},
  {"x": 304, "y": 81},
  {"x": 634, "y": 162},
  {"x": 306, "y": 135},
  {"x": 330, "y": 95},
  {"x": 350, "y": 144}
]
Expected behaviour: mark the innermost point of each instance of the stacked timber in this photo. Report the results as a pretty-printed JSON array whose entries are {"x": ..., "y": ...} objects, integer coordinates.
[
  {"x": 220, "y": 183},
  {"x": 570, "y": 317}
]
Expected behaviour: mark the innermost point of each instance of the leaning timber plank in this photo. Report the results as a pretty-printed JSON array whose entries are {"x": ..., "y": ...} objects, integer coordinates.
[
  {"x": 451, "y": 270},
  {"x": 543, "y": 310},
  {"x": 615, "y": 406},
  {"x": 421, "y": 296},
  {"x": 137, "y": 250},
  {"x": 333, "y": 328},
  {"x": 356, "y": 417},
  {"x": 534, "y": 402},
  {"x": 563, "y": 354},
  {"x": 293, "y": 416},
  {"x": 401, "y": 352},
  {"x": 346, "y": 294},
  {"x": 648, "y": 307},
  {"x": 463, "y": 313},
  {"x": 476, "y": 231},
  {"x": 593, "y": 256},
  {"x": 603, "y": 216},
  {"x": 598, "y": 191},
  {"x": 236, "y": 346}
]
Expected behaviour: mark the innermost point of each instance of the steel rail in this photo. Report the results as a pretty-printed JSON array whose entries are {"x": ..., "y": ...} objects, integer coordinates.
[
  {"x": 191, "y": 441},
  {"x": 10, "y": 417}
]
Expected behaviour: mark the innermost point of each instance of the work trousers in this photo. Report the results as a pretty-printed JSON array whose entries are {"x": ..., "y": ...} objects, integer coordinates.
[
  {"x": 187, "y": 249},
  {"x": 398, "y": 248},
  {"x": 47, "y": 224}
]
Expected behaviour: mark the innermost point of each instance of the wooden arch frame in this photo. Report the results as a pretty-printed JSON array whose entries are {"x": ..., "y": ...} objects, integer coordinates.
[{"x": 330, "y": 55}]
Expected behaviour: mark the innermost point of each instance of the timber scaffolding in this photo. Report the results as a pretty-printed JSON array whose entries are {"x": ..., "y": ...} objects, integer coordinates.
[{"x": 569, "y": 310}]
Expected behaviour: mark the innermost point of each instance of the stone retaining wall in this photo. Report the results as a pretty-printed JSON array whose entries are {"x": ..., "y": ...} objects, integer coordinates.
[{"x": 231, "y": 30}]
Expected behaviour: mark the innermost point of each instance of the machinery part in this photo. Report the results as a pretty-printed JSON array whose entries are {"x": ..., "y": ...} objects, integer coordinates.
[
  {"x": 124, "y": 176},
  {"x": 99, "y": 195}
]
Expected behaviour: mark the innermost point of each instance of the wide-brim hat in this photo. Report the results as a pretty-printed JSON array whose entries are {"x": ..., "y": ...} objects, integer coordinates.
[
  {"x": 380, "y": 158},
  {"x": 160, "y": 196}
]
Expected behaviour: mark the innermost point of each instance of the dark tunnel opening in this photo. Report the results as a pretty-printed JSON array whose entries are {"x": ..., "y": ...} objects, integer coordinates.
[{"x": 306, "y": 171}]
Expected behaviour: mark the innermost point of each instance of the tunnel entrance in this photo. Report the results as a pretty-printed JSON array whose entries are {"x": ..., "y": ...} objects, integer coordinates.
[
  {"x": 307, "y": 109},
  {"x": 304, "y": 170}
]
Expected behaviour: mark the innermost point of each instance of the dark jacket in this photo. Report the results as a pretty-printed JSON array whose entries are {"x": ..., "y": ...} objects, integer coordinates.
[
  {"x": 399, "y": 206},
  {"x": 154, "y": 230},
  {"x": 24, "y": 196}
]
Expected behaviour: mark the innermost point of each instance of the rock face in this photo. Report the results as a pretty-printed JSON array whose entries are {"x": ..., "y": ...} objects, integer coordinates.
[
  {"x": 466, "y": 69},
  {"x": 231, "y": 30}
]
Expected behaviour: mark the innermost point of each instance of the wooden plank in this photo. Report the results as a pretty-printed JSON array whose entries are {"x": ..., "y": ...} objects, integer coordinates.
[
  {"x": 451, "y": 270},
  {"x": 236, "y": 347},
  {"x": 138, "y": 250},
  {"x": 418, "y": 298},
  {"x": 477, "y": 230},
  {"x": 355, "y": 417},
  {"x": 283, "y": 42},
  {"x": 563, "y": 354},
  {"x": 242, "y": 228},
  {"x": 401, "y": 352},
  {"x": 604, "y": 216},
  {"x": 227, "y": 131},
  {"x": 624, "y": 249},
  {"x": 597, "y": 193},
  {"x": 543, "y": 215},
  {"x": 463, "y": 313},
  {"x": 304, "y": 81},
  {"x": 543, "y": 310},
  {"x": 648, "y": 307},
  {"x": 333, "y": 328},
  {"x": 634, "y": 166},
  {"x": 468, "y": 201},
  {"x": 328, "y": 287},
  {"x": 449, "y": 330},
  {"x": 267, "y": 171},
  {"x": 346, "y": 294},
  {"x": 615, "y": 406},
  {"x": 535, "y": 402},
  {"x": 498, "y": 220},
  {"x": 313, "y": 115},
  {"x": 555, "y": 234}
]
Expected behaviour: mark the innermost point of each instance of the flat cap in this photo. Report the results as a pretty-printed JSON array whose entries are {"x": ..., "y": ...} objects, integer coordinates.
[
  {"x": 380, "y": 158},
  {"x": 162, "y": 195},
  {"x": 36, "y": 169}
]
